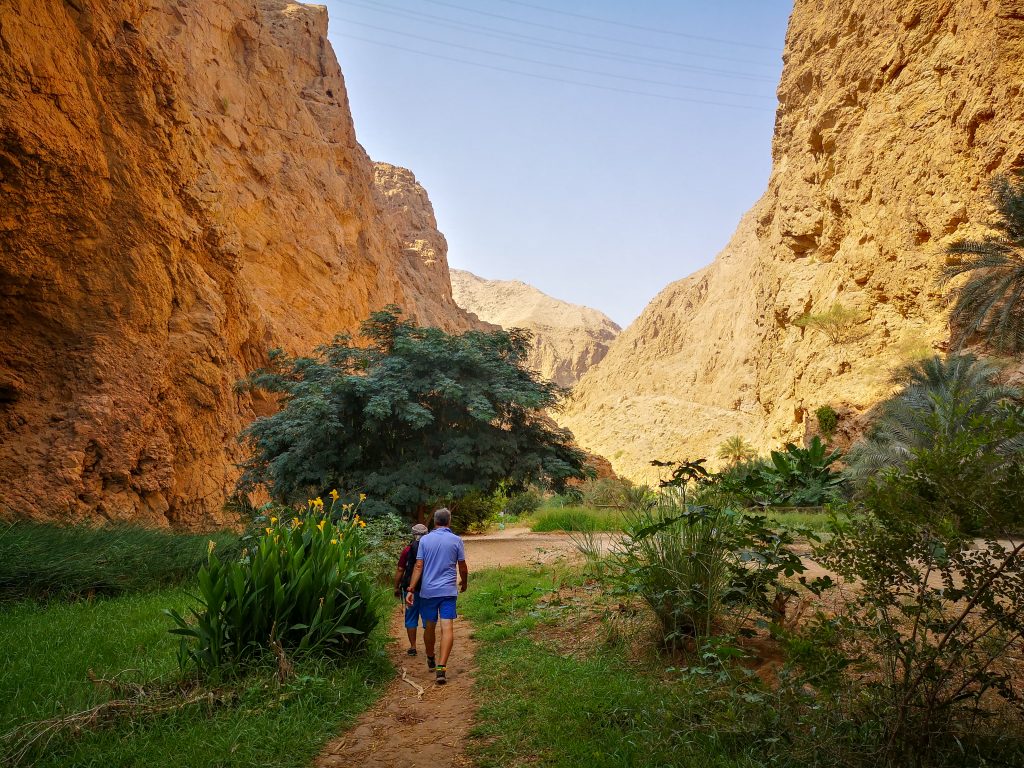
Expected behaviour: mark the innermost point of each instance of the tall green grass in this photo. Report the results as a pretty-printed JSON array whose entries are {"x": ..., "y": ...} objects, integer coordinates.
[
  {"x": 48, "y": 651},
  {"x": 46, "y": 561},
  {"x": 576, "y": 519}
]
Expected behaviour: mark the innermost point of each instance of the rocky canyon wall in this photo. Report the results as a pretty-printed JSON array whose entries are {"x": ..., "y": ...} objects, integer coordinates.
[
  {"x": 181, "y": 189},
  {"x": 568, "y": 339},
  {"x": 893, "y": 116}
]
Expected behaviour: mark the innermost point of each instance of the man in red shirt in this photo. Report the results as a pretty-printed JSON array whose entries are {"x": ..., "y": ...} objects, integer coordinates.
[{"x": 403, "y": 574}]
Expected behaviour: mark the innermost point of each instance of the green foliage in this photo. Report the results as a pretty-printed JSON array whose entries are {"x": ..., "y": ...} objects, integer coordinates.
[
  {"x": 828, "y": 420},
  {"x": 836, "y": 324},
  {"x": 51, "y": 654},
  {"x": 386, "y": 536},
  {"x": 988, "y": 305},
  {"x": 301, "y": 587},
  {"x": 735, "y": 450},
  {"x": 940, "y": 400},
  {"x": 793, "y": 477},
  {"x": 525, "y": 503},
  {"x": 410, "y": 416},
  {"x": 931, "y": 630},
  {"x": 45, "y": 561}
]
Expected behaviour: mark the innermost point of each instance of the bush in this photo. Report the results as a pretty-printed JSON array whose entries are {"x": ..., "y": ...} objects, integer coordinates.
[
  {"x": 386, "y": 537},
  {"x": 692, "y": 564},
  {"x": 474, "y": 511},
  {"x": 828, "y": 420},
  {"x": 301, "y": 588},
  {"x": 525, "y": 503},
  {"x": 604, "y": 492},
  {"x": 933, "y": 631},
  {"x": 836, "y": 324},
  {"x": 45, "y": 561}
]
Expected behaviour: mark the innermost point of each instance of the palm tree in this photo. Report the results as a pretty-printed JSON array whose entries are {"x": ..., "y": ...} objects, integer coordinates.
[
  {"x": 989, "y": 304},
  {"x": 736, "y": 449},
  {"x": 940, "y": 397}
]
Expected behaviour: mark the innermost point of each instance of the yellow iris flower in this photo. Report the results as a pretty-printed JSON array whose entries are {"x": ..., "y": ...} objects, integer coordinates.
[
  {"x": 334, "y": 541},
  {"x": 296, "y": 522},
  {"x": 273, "y": 520},
  {"x": 321, "y": 524},
  {"x": 362, "y": 497},
  {"x": 269, "y": 531},
  {"x": 334, "y": 494}
]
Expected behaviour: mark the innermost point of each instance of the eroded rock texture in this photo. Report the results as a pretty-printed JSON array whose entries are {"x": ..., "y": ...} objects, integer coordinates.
[
  {"x": 568, "y": 339},
  {"x": 180, "y": 190},
  {"x": 893, "y": 116}
]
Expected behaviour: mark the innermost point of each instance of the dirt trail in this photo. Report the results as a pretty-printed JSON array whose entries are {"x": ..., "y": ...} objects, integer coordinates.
[
  {"x": 406, "y": 729},
  {"x": 411, "y": 730}
]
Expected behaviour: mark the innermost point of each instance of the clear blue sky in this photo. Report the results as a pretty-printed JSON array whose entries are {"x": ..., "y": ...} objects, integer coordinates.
[{"x": 596, "y": 195}]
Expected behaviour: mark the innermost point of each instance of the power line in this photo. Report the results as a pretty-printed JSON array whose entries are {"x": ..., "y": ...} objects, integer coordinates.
[
  {"x": 554, "y": 79},
  {"x": 546, "y": 42},
  {"x": 639, "y": 27},
  {"x": 589, "y": 34},
  {"x": 550, "y": 64}
]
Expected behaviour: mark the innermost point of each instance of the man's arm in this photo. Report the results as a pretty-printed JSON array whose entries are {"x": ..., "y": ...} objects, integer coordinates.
[
  {"x": 413, "y": 581},
  {"x": 463, "y": 575}
]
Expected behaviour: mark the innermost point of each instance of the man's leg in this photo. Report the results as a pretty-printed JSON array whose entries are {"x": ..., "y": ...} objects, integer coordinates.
[
  {"x": 428, "y": 638},
  {"x": 447, "y": 640}
]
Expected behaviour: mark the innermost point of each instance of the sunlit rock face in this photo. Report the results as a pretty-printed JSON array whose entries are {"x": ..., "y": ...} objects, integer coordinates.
[
  {"x": 893, "y": 115},
  {"x": 181, "y": 190}
]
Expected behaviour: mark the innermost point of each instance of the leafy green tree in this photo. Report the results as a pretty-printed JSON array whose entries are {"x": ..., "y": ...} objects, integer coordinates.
[
  {"x": 736, "y": 449},
  {"x": 409, "y": 416},
  {"x": 940, "y": 399},
  {"x": 989, "y": 303}
]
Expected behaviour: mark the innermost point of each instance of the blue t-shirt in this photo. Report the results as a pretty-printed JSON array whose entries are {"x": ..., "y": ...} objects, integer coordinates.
[{"x": 440, "y": 550}]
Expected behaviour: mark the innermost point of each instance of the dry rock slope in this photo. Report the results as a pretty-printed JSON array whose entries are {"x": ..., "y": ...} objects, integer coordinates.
[
  {"x": 893, "y": 116},
  {"x": 568, "y": 338},
  {"x": 181, "y": 189}
]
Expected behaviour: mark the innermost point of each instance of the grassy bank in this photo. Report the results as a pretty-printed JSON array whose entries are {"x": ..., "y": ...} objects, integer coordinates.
[
  {"x": 542, "y": 706},
  {"x": 49, "y": 652},
  {"x": 45, "y": 561}
]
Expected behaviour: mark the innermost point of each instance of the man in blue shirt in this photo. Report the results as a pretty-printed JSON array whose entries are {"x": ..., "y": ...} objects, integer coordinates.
[{"x": 438, "y": 555}]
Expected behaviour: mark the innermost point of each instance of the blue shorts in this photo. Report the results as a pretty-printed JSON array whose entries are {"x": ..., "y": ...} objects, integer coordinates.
[
  {"x": 412, "y": 612},
  {"x": 430, "y": 607}
]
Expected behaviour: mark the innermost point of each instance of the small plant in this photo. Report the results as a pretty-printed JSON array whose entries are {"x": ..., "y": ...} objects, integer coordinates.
[
  {"x": 836, "y": 324},
  {"x": 828, "y": 420},
  {"x": 793, "y": 477},
  {"x": 300, "y": 588},
  {"x": 474, "y": 511}
]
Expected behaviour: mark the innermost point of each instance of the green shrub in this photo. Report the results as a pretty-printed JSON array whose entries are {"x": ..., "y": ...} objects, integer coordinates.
[
  {"x": 302, "y": 587},
  {"x": 793, "y": 477},
  {"x": 932, "y": 633},
  {"x": 525, "y": 503},
  {"x": 46, "y": 561},
  {"x": 828, "y": 420},
  {"x": 386, "y": 537},
  {"x": 604, "y": 492},
  {"x": 474, "y": 511},
  {"x": 836, "y": 324},
  {"x": 691, "y": 564}
]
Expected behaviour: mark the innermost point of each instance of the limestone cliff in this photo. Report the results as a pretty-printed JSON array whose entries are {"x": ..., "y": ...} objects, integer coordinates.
[
  {"x": 893, "y": 115},
  {"x": 180, "y": 190},
  {"x": 568, "y": 338}
]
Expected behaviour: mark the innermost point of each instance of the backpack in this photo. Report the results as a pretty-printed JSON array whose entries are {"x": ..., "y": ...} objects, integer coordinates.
[{"x": 410, "y": 563}]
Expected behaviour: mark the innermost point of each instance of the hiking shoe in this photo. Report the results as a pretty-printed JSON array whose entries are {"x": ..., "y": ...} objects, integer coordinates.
[
  {"x": 440, "y": 672},
  {"x": 411, "y": 652},
  {"x": 431, "y": 664}
]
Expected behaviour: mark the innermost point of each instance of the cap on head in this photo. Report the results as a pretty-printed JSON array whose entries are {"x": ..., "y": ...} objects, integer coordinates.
[
  {"x": 419, "y": 529},
  {"x": 442, "y": 516}
]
